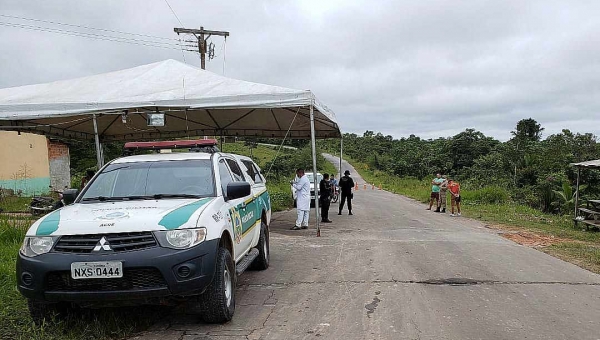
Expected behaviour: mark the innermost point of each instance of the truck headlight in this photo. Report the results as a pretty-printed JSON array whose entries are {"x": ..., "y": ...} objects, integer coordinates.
[
  {"x": 34, "y": 246},
  {"x": 181, "y": 238}
]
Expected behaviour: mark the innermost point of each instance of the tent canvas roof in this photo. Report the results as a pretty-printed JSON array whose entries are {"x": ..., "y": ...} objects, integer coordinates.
[
  {"x": 195, "y": 102},
  {"x": 588, "y": 164}
]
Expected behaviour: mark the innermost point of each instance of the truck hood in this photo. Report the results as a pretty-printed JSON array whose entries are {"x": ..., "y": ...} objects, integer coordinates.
[{"x": 119, "y": 217}]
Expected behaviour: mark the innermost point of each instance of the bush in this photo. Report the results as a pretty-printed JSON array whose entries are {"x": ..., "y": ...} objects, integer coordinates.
[{"x": 487, "y": 195}]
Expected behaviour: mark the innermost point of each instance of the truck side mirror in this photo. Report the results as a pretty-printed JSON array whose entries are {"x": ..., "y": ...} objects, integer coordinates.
[
  {"x": 70, "y": 195},
  {"x": 238, "y": 190}
]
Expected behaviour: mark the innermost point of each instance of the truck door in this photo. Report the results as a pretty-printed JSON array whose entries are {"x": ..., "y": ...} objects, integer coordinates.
[{"x": 244, "y": 210}]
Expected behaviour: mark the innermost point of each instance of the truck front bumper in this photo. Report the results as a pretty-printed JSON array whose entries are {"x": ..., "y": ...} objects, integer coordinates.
[{"x": 149, "y": 273}]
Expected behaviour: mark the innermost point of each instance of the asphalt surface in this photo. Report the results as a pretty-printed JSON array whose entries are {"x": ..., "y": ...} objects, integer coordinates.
[{"x": 397, "y": 271}]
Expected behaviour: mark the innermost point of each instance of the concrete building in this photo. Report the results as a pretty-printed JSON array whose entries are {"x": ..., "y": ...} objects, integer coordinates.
[{"x": 30, "y": 164}]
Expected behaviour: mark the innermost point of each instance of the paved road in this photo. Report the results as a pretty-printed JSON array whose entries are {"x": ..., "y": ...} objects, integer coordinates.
[{"x": 396, "y": 271}]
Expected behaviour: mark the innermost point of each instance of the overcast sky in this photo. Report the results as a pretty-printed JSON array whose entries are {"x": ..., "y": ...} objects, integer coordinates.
[{"x": 429, "y": 68}]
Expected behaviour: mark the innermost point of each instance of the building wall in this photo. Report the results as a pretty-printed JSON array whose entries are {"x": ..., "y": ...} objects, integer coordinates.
[
  {"x": 60, "y": 165},
  {"x": 24, "y": 165}
]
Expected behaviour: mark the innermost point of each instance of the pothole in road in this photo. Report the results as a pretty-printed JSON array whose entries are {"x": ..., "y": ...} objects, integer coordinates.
[{"x": 371, "y": 307}]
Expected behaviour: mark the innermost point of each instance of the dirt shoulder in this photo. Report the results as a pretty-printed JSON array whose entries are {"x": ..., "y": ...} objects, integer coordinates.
[{"x": 583, "y": 254}]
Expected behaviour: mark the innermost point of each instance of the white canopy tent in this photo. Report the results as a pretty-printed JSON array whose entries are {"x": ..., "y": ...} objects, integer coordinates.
[{"x": 115, "y": 106}]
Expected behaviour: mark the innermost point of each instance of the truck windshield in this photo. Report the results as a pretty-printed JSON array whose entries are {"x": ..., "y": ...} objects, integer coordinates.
[
  {"x": 311, "y": 178},
  {"x": 153, "y": 180}
]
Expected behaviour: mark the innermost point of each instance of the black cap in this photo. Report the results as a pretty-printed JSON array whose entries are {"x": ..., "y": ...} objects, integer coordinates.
[{"x": 347, "y": 172}]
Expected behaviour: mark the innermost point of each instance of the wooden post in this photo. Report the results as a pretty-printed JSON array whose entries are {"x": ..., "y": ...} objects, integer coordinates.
[
  {"x": 577, "y": 192},
  {"x": 201, "y": 34}
]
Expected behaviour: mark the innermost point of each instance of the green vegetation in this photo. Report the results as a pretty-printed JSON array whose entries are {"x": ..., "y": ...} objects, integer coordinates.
[
  {"x": 525, "y": 183},
  {"x": 14, "y": 204},
  {"x": 533, "y": 171}
]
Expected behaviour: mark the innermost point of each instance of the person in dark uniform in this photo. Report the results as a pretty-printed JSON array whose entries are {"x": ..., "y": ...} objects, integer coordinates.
[
  {"x": 325, "y": 198},
  {"x": 346, "y": 184}
]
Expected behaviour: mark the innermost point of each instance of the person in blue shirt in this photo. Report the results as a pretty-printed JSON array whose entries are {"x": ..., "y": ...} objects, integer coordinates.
[{"x": 333, "y": 181}]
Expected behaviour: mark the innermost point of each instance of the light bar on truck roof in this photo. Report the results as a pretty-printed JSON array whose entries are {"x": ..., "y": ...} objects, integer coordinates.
[{"x": 174, "y": 144}]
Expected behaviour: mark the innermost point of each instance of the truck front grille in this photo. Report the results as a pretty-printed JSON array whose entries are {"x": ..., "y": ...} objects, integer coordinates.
[
  {"x": 133, "y": 279},
  {"x": 85, "y": 244}
]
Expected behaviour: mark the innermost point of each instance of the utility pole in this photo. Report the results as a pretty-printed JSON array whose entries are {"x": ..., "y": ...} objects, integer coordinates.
[{"x": 202, "y": 35}]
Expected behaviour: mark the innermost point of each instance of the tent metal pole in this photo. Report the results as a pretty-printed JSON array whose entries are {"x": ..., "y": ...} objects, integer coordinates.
[
  {"x": 577, "y": 192},
  {"x": 341, "y": 153},
  {"x": 221, "y": 140},
  {"x": 314, "y": 160},
  {"x": 99, "y": 158}
]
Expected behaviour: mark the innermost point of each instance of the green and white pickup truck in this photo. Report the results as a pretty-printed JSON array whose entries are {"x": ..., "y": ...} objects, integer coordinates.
[{"x": 151, "y": 229}]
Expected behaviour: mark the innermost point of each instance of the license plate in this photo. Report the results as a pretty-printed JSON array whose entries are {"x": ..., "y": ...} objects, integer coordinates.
[{"x": 96, "y": 270}]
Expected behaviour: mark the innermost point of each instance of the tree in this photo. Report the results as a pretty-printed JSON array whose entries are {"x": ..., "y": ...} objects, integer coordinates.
[
  {"x": 467, "y": 146},
  {"x": 528, "y": 129}
]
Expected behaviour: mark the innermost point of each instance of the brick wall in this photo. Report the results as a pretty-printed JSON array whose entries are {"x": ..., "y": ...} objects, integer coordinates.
[
  {"x": 57, "y": 150},
  {"x": 60, "y": 164}
]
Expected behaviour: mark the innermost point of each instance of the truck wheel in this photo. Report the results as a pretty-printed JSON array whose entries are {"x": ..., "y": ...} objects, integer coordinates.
[
  {"x": 43, "y": 312},
  {"x": 218, "y": 301},
  {"x": 261, "y": 262}
]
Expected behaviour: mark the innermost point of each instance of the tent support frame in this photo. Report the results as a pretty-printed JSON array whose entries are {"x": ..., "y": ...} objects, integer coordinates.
[
  {"x": 99, "y": 156},
  {"x": 341, "y": 153},
  {"x": 313, "y": 142}
]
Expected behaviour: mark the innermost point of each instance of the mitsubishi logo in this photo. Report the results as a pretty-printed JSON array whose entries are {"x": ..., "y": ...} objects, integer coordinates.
[{"x": 102, "y": 244}]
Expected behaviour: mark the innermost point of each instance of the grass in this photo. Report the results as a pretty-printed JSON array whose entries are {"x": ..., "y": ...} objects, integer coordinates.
[
  {"x": 584, "y": 255},
  {"x": 493, "y": 205},
  {"x": 14, "y": 204}
]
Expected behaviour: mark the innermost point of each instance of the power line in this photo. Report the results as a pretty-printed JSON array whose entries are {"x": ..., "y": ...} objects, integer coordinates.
[
  {"x": 176, "y": 17},
  {"x": 98, "y": 36},
  {"x": 85, "y": 27},
  {"x": 92, "y": 34},
  {"x": 172, "y": 11}
]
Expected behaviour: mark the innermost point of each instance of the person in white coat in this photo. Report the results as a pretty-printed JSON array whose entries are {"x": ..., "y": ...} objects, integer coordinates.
[{"x": 302, "y": 186}]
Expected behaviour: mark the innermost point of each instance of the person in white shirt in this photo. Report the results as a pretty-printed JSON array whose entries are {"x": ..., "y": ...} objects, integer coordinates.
[{"x": 302, "y": 186}]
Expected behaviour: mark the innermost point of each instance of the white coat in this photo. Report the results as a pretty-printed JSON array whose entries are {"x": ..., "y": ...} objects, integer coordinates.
[{"x": 302, "y": 186}]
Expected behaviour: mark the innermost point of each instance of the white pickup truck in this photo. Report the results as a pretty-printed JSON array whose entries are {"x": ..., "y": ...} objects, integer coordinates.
[
  {"x": 151, "y": 229},
  {"x": 311, "y": 179}
]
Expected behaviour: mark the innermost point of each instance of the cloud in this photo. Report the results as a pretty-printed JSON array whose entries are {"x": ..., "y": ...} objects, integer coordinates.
[{"x": 430, "y": 68}]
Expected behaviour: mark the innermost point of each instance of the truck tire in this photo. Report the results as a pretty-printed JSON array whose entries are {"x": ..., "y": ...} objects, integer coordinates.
[
  {"x": 44, "y": 312},
  {"x": 261, "y": 262},
  {"x": 218, "y": 301}
]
